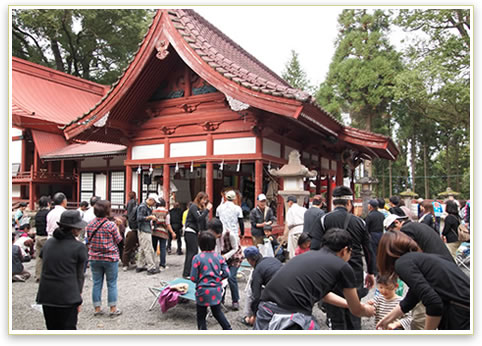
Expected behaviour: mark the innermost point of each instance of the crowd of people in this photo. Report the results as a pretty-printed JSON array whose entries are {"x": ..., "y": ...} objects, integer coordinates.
[{"x": 329, "y": 259}]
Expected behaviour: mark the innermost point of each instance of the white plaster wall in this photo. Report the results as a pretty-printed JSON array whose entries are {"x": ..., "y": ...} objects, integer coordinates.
[
  {"x": 271, "y": 148},
  {"x": 151, "y": 151},
  {"x": 231, "y": 146},
  {"x": 183, "y": 149}
]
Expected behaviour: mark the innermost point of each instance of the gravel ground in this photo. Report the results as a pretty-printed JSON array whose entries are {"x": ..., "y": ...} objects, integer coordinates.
[{"x": 134, "y": 301}]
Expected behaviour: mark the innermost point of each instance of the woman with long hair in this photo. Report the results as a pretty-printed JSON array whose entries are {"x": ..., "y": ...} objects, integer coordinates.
[
  {"x": 438, "y": 283},
  {"x": 102, "y": 239},
  {"x": 428, "y": 216},
  {"x": 62, "y": 279},
  {"x": 450, "y": 231},
  {"x": 196, "y": 221}
]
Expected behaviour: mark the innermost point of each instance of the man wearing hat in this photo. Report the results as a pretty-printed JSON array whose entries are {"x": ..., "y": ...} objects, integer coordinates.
[
  {"x": 147, "y": 257},
  {"x": 294, "y": 224},
  {"x": 341, "y": 217},
  {"x": 374, "y": 223},
  {"x": 264, "y": 270},
  {"x": 312, "y": 224},
  {"x": 260, "y": 217},
  {"x": 230, "y": 214}
]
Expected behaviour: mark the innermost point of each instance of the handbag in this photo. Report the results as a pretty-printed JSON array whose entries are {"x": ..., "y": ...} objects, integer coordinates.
[{"x": 463, "y": 233}]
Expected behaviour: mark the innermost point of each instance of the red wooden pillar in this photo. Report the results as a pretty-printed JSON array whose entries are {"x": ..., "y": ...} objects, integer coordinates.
[
  {"x": 35, "y": 160},
  {"x": 166, "y": 184},
  {"x": 280, "y": 206},
  {"x": 62, "y": 168},
  {"x": 78, "y": 182},
  {"x": 128, "y": 174},
  {"x": 329, "y": 198},
  {"x": 258, "y": 178},
  {"x": 49, "y": 167},
  {"x": 339, "y": 173},
  {"x": 23, "y": 164},
  {"x": 209, "y": 171},
  {"x": 128, "y": 182},
  {"x": 31, "y": 195}
]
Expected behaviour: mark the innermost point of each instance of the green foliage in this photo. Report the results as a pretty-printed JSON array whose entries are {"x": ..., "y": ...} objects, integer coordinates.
[
  {"x": 95, "y": 44},
  {"x": 295, "y": 75},
  {"x": 360, "y": 80}
]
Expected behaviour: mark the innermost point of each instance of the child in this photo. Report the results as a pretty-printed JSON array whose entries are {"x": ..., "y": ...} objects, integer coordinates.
[
  {"x": 278, "y": 249},
  {"x": 207, "y": 270},
  {"x": 387, "y": 300},
  {"x": 304, "y": 243}
]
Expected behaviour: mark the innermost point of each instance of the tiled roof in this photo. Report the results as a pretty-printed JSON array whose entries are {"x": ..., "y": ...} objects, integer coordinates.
[
  {"x": 43, "y": 93},
  {"x": 46, "y": 142},
  {"x": 228, "y": 58},
  {"x": 86, "y": 149}
]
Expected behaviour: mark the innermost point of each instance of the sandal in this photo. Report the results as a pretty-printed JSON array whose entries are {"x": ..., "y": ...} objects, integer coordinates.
[
  {"x": 243, "y": 321},
  {"x": 115, "y": 313},
  {"x": 98, "y": 313}
]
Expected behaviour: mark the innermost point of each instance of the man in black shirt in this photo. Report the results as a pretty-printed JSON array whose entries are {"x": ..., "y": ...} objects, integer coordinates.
[
  {"x": 374, "y": 223},
  {"x": 340, "y": 217},
  {"x": 307, "y": 279},
  {"x": 40, "y": 233},
  {"x": 260, "y": 217},
  {"x": 394, "y": 202},
  {"x": 423, "y": 235},
  {"x": 264, "y": 270},
  {"x": 312, "y": 224}
]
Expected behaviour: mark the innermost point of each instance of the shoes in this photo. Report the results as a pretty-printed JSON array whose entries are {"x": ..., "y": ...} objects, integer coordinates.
[
  {"x": 163, "y": 267},
  {"x": 98, "y": 313},
  {"x": 169, "y": 251},
  {"x": 243, "y": 321},
  {"x": 235, "y": 306},
  {"x": 124, "y": 269},
  {"x": 180, "y": 253},
  {"x": 153, "y": 271},
  {"x": 138, "y": 270},
  {"x": 117, "y": 312},
  {"x": 18, "y": 278}
]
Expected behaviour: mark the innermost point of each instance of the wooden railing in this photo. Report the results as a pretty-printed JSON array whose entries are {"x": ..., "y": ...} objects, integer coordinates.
[{"x": 44, "y": 175}]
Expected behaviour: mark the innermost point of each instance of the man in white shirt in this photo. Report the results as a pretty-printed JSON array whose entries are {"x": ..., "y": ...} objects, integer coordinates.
[
  {"x": 89, "y": 213},
  {"x": 230, "y": 214},
  {"x": 294, "y": 224},
  {"x": 60, "y": 203}
]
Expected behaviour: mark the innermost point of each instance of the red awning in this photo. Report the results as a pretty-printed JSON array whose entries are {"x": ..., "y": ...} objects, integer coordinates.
[
  {"x": 46, "y": 142},
  {"x": 77, "y": 150}
]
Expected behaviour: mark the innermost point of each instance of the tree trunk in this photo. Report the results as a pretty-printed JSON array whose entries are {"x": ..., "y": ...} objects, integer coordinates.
[
  {"x": 425, "y": 171},
  {"x": 58, "y": 57},
  {"x": 413, "y": 152},
  {"x": 390, "y": 182},
  {"x": 447, "y": 162},
  {"x": 368, "y": 163},
  {"x": 457, "y": 167}
]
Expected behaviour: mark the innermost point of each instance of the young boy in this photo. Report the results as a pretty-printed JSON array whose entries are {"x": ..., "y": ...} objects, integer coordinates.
[
  {"x": 278, "y": 250},
  {"x": 387, "y": 300}
]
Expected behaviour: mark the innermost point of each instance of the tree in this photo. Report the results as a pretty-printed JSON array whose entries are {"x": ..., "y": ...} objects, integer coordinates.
[
  {"x": 92, "y": 44},
  {"x": 295, "y": 75},
  {"x": 436, "y": 85},
  {"x": 361, "y": 77}
]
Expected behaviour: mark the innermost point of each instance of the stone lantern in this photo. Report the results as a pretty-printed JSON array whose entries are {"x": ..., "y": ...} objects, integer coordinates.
[
  {"x": 449, "y": 194},
  {"x": 293, "y": 175},
  {"x": 407, "y": 196},
  {"x": 366, "y": 192}
]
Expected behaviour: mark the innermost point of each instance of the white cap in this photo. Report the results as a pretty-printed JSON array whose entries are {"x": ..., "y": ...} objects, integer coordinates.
[
  {"x": 261, "y": 197},
  {"x": 154, "y": 197},
  {"x": 391, "y": 219},
  {"x": 230, "y": 195}
]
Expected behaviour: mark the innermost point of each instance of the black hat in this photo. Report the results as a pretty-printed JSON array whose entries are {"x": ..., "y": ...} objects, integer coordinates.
[
  {"x": 72, "y": 219},
  {"x": 292, "y": 199},
  {"x": 374, "y": 203},
  {"x": 22, "y": 204},
  {"x": 342, "y": 191}
]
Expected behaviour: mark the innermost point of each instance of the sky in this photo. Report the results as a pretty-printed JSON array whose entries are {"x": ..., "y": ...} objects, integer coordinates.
[{"x": 270, "y": 33}]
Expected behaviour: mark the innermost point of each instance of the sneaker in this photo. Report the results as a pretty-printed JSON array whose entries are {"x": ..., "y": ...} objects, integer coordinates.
[
  {"x": 138, "y": 270},
  {"x": 235, "y": 306},
  {"x": 124, "y": 269},
  {"x": 180, "y": 253},
  {"x": 18, "y": 278},
  {"x": 153, "y": 271},
  {"x": 164, "y": 267}
]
